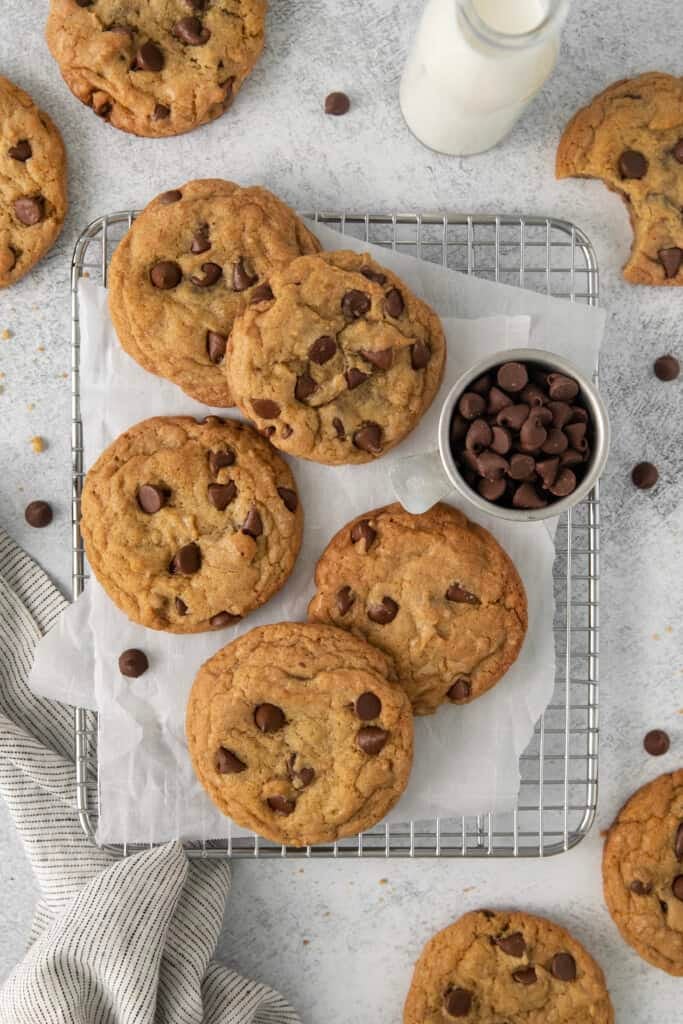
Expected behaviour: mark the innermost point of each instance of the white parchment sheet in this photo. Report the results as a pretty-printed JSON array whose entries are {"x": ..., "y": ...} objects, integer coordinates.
[{"x": 466, "y": 758}]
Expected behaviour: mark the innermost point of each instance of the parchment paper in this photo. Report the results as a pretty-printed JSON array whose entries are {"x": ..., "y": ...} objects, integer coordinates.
[{"x": 466, "y": 758}]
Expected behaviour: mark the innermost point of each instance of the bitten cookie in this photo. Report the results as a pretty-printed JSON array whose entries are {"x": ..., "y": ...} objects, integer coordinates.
[
  {"x": 341, "y": 363},
  {"x": 299, "y": 733},
  {"x": 156, "y": 68},
  {"x": 195, "y": 258},
  {"x": 642, "y": 872},
  {"x": 434, "y": 591},
  {"x": 189, "y": 526},
  {"x": 507, "y": 967},
  {"x": 631, "y": 136},
  {"x": 33, "y": 199}
]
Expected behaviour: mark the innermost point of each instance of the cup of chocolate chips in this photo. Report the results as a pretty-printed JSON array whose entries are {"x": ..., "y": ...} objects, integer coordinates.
[{"x": 524, "y": 435}]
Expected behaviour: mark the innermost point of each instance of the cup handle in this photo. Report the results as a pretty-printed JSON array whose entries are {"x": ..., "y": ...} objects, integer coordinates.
[{"x": 419, "y": 481}]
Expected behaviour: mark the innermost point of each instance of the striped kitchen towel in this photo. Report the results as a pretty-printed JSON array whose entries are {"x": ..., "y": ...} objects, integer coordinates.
[{"x": 112, "y": 941}]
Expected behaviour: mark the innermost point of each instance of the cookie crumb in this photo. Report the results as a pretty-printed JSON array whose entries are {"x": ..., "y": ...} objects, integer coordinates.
[
  {"x": 384, "y": 881},
  {"x": 30, "y": 406},
  {"x": 668, "y": 629},
  {"x": 656, "y": 636},
  {"x": 306, "y": 942},
  {"x": 7, "y": 334},
  {"x": 41, "y": 348},
  {"x": 38, "y": 444}
]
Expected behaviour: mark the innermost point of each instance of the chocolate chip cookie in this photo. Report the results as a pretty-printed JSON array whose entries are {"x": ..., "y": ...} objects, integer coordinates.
[
  {"x": 631, "y": 136},
  {"x": 434, "y": 591},
  {"x": 642, "y": 872},
  {"x": 33, "y": 199},
  {"x": 194, "y": 259},
  {"x": 158, "y": 68},
  {"x": 189, "y": 526},
  {"x": 299, "y": 733},
  {"x": 509, "y": 967},
  {"x": 341, "y": 363}
]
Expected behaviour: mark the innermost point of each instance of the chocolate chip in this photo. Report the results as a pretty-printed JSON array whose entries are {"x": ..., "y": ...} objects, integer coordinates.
[
  {"x": 521, "y": 466},
  {"x": 241, "y": 278},
  {"x": 216, "y": 345},
  {"x": 458, "y": 1002},
  {"x": 532, "y": 395},
  {"x": 368, "y": 706},
  {"x": 266, "y": 408},
  {"x": 29, "y": 210},
  {"x": 345, "y": 600},
  {"x": 459, "y": 690},
  {"x": 383, "y": 613},
  {"x": 371, "y": 739},
  {"x": 369, "y": 438},
  {"x": 305, "y": 386},
  {"x": 532, "y": 434},
  {"x": 337, "y": 103},
  {"x": 678, "y": 843},
  {"x": 191, "y": 32},
  {"x": 459, "y": 595},
  {"x": 645, "y": 475},
  {"x": 563, "y": 967},
  {"x": 261, "y": 294},
  {"x": 420, "y": 354},
  {"x": 201, "y": 241},
  {"x": 180, "y": 606},
  {"x": 678, "y": 151},
  {"x": 289, "y": 498},
  {"x": 363, "y": 531},
  {"x": 556, "y": 442},
  {"x": 677, "y": 887},
  {"x": 174, "y": 195},
  {"x": 152, "y": 499},
  {"x": 223, "y": 619},
  {"x": 640, "y": 888},
  {"x": 670, "y": 260},
  {"x": 393, "y": 303},
  {"x": 355, "y": 377},
  {"x": 219, "y": 460},
  {"x": 492, "y": 466},
  {"x": 571, "y": 458},
  {"x": 228, "y": 763},
  {"x": 253, "y": 524},
  {"x": 338, "y": 427},
  {"x": 526, "y": 496},
  {"x": 512, "y": 376},
  {"x": 497, "y": 400},
  {"x": 161, "y": 112},
  {"x": 502, "y": 440},
  {"x": 632, "y": 164},
  {"x": 564, "y": 484},
  {"x": 148, "y": 58},
  {"x": 133, "y": 663},
  {"x": 322, "y": 350},
  {"x": 269, "y": 717},
  {"x": 306, "y": 775},
  {"x": 491, "y": 490},
  {"x": 373, "y": 275},
  {"x": 85, "y": 3},
  {"x": 212, "y": 274},
  {"x": 187, "y": 560},
  {"x": 482, "y": 385},
  {"x": 382, "y": 358},
  {"x": 21, "y": 152},
  {"x": 524, "y": 975},
  {"x": 562, "y": 388},
  {"x": 667, "y": 367},
  {"x": 575, "y": 433},
  {"x": 656, "y": 742},
  {"x": 562, "y": 413},
  {"x": 286, "y": 431},
  {"x": 479, "y": 436},
  {"x": 281, "y": 804},
  {"x": 38, "y": 514},
  {"x": 220, "y": 495},
  {"x": 513, "y": 416},
  {"x": 165, "y": 275},
  {"x": 513, "y": 945},
  {"x": 471, "y": 405},
  {"x": 355, "y": 304},
  {"x": 547, "y": 471}
]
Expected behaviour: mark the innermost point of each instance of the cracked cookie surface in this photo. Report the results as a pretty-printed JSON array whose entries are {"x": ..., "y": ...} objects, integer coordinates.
[
  {"x": 158, "y": 68},
  {"x": 299, "y": 733},
  {"x": 341, "y": 363},
  {"x": 193, "y": 260},
  {"x": 642, "y": 872},
  {"x": 189, "y": 526},
  {"x": 434, "y": 591},
  {"x": 631, "y": 136},
  {"x": 506, "y": 967},
  {"x": 33, "y": 198}
]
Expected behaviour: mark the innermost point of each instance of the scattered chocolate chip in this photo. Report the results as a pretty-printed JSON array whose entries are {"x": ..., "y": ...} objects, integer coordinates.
[
  {"x": 459, "y": 595},
  {"x": 524, "y": 975},
  {"x": 479, "y": 436},
  {"x": 513, "y": 945},
  {"x": 253, "y": 524},
  {"x": 191, "y": 32},
  {"x": 383, "y": 358},
  {"x": 212, "y": 274},
  {"x": 21, "y": 152},
  {"x": 228, "y": 763},
  {"x": 305, "y": 386},
  {"x": 368, "y": 706},
  {"x": 373, "y": 275},
  {"x": 527, "y": 497},
  {"x": 369, "y": 438},
  {"x": 220, "y": 460},
  {"x": 339, "y": 429},
  {"x": 165, "y": 275},
  {"x": 458, "y": 1002},
  {"x": 261, "y": 294},
  {"x": 133, "y": 663},
  {"x": 281, "y": 804},
  {"x": 322, "y": 350},
  {"x": 393, "y": 303},
  {"x": 355, "y": 377},
  {"x": 29, "y": 210},
  {"x": 671, "y": 260},
  {"x": 216, "y": 345},
  {"x": 266, "y": 408},
  {"x": 152, "y": 499},
  {"x": 222, "y": 619},
  {"x": 289, "y": 498},
  {"x": 656, "y": 742},
  {"x": 170, "y": 197},
  {"x": 639, "y": 888},
  {"x": 471, "y": 405},
  {"x": 512, "y": 376},
  {"x": 187, "y": 560},
  {"x": 667, "y": 367},
  {"x": 513, "y": 416},
  {"x": 161, "y": 112},
  {"x": 38, "y": 514},
  {"x": 355, "y": 304},
  {"x": 337, "y": 103},
  {"x": 269, "y": 717},
  {"x": 459, "y": 690},
  {"x": 420, "y": 354},
  {"x": 221, "y": 495},
  {"x": 677, "y": 887},
  {"x": 363, "y": 531},
  {"x": 180, "y": 606},
  {"x": 345, "y": 600},
  {"x": 148, "y": 58},
  {"x": 645, "y": 475},
  {"x": 563, "y": 967},
  {"x": 241, "y": 278},
  {"x": 383, "y": 613},
  {"x": 562, "y": 388},
  {"x": 632, "y": 164},
  {"x": 371, "y": 739}
]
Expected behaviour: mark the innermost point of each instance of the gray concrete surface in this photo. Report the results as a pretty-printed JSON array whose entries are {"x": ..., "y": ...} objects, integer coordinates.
[{"x": 336, "y": 938}]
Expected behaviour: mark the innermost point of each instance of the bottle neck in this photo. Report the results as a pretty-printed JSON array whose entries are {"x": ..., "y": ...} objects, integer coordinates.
[{"x": 512, "y": 25}]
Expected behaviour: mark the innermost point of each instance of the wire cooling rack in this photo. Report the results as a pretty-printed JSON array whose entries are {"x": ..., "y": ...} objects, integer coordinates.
[{"x": 559, "y": 769}]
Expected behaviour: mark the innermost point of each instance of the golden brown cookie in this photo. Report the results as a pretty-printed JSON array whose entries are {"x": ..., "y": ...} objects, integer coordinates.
[
  {"x": 642, "y": 872},
  {"x": 631, "y": 136},
  {"x": 341, "y": 363},
  {"x": 194, "y": 259},
  {"x": 33, "y": 199},
  {"x": 156, "y": 68},
  {"x": 507, "y": 966},
  {"x": 434, "y": 591},
  {"x": 299, "y": 733},
  {"x": 189, "y": 526}
]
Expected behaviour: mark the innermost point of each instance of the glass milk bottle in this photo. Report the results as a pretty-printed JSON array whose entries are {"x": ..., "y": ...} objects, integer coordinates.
[{"x": 474, "y": 66}]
